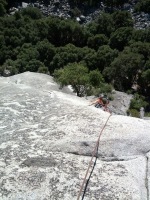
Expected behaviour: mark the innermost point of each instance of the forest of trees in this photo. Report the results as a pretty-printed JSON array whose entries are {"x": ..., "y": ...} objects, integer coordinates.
[{"x": 109, "y": 47}]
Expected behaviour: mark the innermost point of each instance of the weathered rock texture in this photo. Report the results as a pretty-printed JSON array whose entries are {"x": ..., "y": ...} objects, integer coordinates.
[
  {"x": 46, "y": 140},
  {"x": 120, "y": 103}
]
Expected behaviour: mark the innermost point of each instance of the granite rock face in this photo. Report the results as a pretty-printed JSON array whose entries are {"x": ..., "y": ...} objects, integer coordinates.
[{"x": 47, "y": 137}]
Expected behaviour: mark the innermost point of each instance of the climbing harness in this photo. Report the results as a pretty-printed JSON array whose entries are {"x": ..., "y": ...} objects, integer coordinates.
[{"x": 90, "y": 163}]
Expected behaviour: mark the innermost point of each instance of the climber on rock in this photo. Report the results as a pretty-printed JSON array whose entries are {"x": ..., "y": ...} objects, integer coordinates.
[{"x": 101, "y": 102}]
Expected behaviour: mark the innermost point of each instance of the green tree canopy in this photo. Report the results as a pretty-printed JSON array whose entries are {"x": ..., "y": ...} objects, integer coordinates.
[
  {"x": 120, "y": 38},
  {"x": 78, "y": 77},
  {"x": 32, "y": 12},
  {"x": 143, "y": 5},
  {"x": 137, "y": 102},
  {"x": 73, "y": 74},
  {"x": 141, "y": 48},
  {"x": 105, "y": 24},
  {"x": 27, "y": 54},
  {"x": 145, "y": 83},
  {"x": 105, "y": 56},
  {"x": 141, "y": 35},
  {"x": 125, "y": 70},
  {"x": 96, "y": 78},
  {"x": 3, "y": 4},
  {"x": 96, "y": 41},
  {"x": 46, "y": 52},
  {"x": 34, "y": 65},
  {"x": 122, "y": 19}
]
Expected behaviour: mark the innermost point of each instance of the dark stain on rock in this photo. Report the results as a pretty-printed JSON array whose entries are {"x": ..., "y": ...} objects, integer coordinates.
[
  {"x": 39, "y": 162},
  {"x": 85, "y": 144}
]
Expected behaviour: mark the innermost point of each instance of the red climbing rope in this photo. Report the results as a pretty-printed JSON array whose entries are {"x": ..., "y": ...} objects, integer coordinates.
[{"x": 93, "y": 154}]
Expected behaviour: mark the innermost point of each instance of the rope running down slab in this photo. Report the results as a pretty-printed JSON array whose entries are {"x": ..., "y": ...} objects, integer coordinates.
[{"x": 93, "y": 155}]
